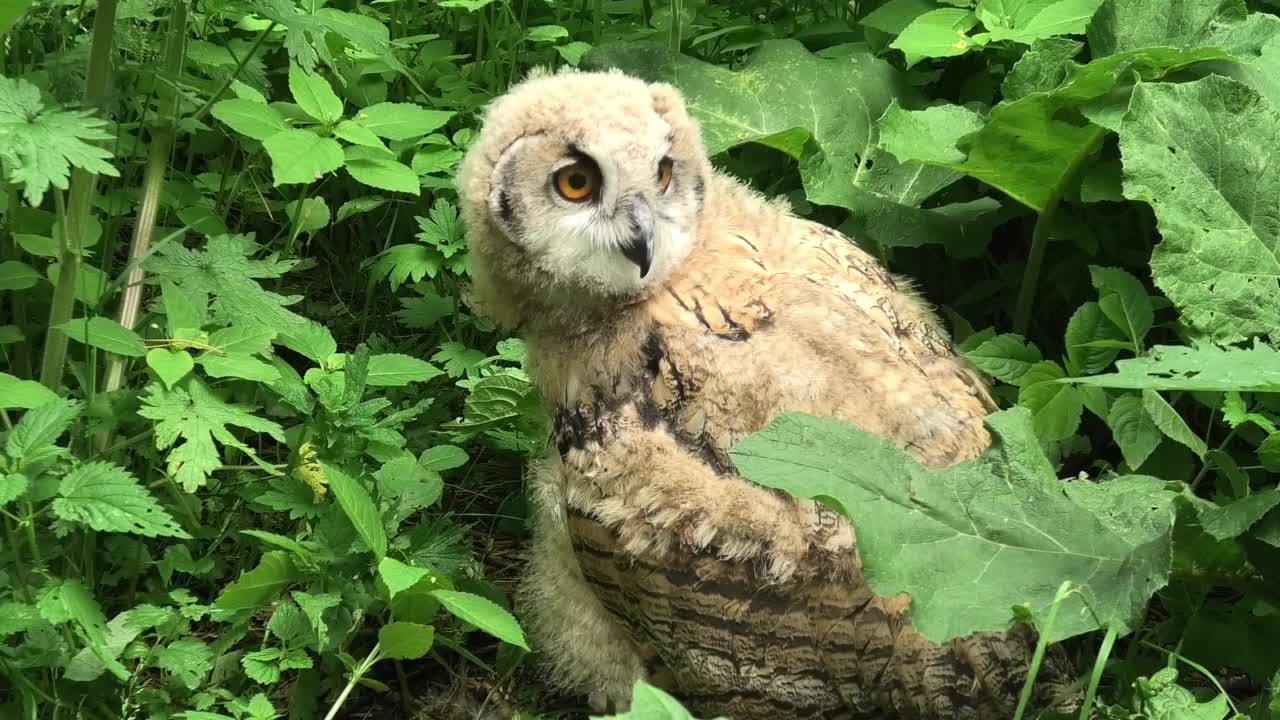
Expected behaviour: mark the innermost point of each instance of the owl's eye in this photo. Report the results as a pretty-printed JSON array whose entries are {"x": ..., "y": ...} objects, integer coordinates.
[
  {"x": 577, "y": 182},
  {"x": 665, "y": 166}
]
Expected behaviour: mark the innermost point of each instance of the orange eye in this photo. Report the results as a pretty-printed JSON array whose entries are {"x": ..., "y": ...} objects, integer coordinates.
[
  {"x": 577, "y": 182},
  {"x": 664, "y": 174}
]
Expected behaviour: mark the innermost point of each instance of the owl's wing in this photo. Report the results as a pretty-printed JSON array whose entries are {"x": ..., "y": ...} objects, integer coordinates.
[{"x": 753, "y": 601}]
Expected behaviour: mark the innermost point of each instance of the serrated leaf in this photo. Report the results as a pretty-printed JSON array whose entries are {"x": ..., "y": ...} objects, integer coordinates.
[
  {"x": 314, "y": 95},
  {"x": 187, "y": 659},
  {"x": 1124, "y": 301},
  {"x": 313, "y": 607},
  {"x": 1135, "y": 432},
  {"x": 401, "y": 121},
  {"x": 244, "y": 367},
  {"x": 405, "y": 640},
  {"x": 64, "y": 601},
  {"x": 1005, "y": 357},
  {"x": 396, "y": 370},
  {"x": 380, "y": 169},
  {"x": 301, "y": 156},
  {"x": 1056, "y": 414},
  {"x": 357, "y": 135},
  {"x": 484, "y": 614},
  {"x": 359, "y": 509},
  {"x": 312, "y": 340},
  {"x": 40, "y": 427},
  {"x": 252, "y": 119},
  {"x": 170, "y": 365},
  {"x": 1087, "y": 325},
  {"x": 105, "y": 334},
  {"x": 22, "y": 394},
  {"x": 969, "y": 541},
  {"x": 398, "y": 576},
  {"x": 1171, "y": 423},
  {"x": 107, "y": 498},
  {"x": 12, "y": 486},
  {"x": 256, "y": 587},
  {"x": 1199, "y": 153}
]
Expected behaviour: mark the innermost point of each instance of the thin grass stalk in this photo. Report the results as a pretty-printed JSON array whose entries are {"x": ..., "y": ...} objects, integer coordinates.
[
  {"x": 152, "y": 183},
  {"x": 80, "y": 204}
]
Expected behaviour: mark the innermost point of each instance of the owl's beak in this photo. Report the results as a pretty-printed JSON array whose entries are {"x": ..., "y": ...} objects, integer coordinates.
[{"x": 639, "y": 247}]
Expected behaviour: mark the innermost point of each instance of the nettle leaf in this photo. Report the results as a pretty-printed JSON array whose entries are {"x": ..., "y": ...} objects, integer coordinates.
[
  {"x": 106, "y": 497},
  {"x": 936, "y": 34},
  {"x": 311, "y": 339},
  {"x": 1134, "y": 430},
  {"x": 359, "y": 509},
  {"x": 64, "y": 601},
  {"x": 313, "y": 606},
  {"x": 1055, "y": 414},
  {"x": 401, "y": 121},
  {"x": 188, "y": 659},
  {"x": 1177, "y": 367},
  {"x": 105, "y": 334},
  {"x": 255, "y": 588},
  {"x": 1124, "y": 300},
  {"x": 1005, "y": 357},
  {"x": 314, "y": 95},
  {"x": 1088, "y": 324},
  {"x": 396, "y": 370},
  {"x": 398, "y": 576},
  {"x": 968, "y": 542},
  {"x": 39, "y": 146},
  {"x": 301, "y": 156},
  {"x": 1199, "y": 153},
  {"x": 405, "y": 640},
  {"x": 190, "y": 420},
  {"x": 22, "y": 394},
  {"x": 380, "y": 168},
  {"x": 12, "y": 486},
  {"x": 1171, "y": 423},
  {"x": 250, "y": 118},
  {"x": 484, "y": 614},
  {"x": 40, "y": 428}
]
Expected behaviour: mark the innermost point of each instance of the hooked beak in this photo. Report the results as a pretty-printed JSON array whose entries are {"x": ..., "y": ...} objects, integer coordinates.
[{"x": 639, "y": 247}]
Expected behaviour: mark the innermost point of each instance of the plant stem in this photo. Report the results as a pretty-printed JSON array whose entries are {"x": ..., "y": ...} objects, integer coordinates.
[
  {"x": 1040, "y": 235},
  {"x": 1038, "y": 657},
  {"x": 368, "y": 661},
  {"x": 83, "y": 186},
  {"x": 152, "y": 183},
  {"x": 222, "y": 89},
  {"x": 1099, "y": 665}
]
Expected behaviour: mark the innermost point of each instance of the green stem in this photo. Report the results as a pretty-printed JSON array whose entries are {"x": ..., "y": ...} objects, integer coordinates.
[
  {"x": 23, "y": 582},
  {"x": 1037, "y": 658},
  {"x": 152, "y": 183},
  {"x": 1044, "y": 225},
  {"x": 83, "y": 186},
  {"x": 1099, "y": 665},
  {"x": 1204, "y": 468},
  {"x": 222, "y": 89},
  {"x": 368, "y": 661},
  {"x": 29, "y": 522},
  {"x": 677, "y": 8}
]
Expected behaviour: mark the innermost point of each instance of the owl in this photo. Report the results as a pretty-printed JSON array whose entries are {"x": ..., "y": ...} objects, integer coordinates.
[{"x": 669, "y": 312}]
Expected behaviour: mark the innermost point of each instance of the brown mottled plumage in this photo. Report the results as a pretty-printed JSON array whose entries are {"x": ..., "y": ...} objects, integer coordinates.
[{"x": 652, "y": 558}]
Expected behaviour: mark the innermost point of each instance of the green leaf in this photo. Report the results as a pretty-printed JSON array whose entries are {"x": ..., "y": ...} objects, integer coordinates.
[
  {"x": 197, "y": 417},
  {"x": 11, "y": 12},
  {"x": 1177, "y": 367},
  {"x": 244, "y": 367},
  {"x": 107, "y": 498},
  {"x": 313, "y": 607},
  {"x": 1056, "y": 414},
  {"x": 170, "y": 365},
  {"x": 1135, "y": 432},
  {"x": 1224, "y": 522},
  {"x": 398, "y": 576},
  {"x": 39, "y": 428},
  {"x": 927, "y": 135},
  {"x": 937, "y": 34},
  {"x": 395, "y": 370},
  {"x": 183, "y": 310},
  {"x": 24, "y": 394},
  {"x": 968, "y": 542},
  {"x": 64, "y": 601},
  {"x": 1124, "y": 301},
  {"x": 313, "y": 215},
  {"x": 1123, "y": 25},
  {"x": 484, "y": 614},
  {"x": 1199, "y": 154},
  {"x": 380, "y": 169},
  {"x": 252, "y": 119},
  {"x": 12, "y": 486},
  {"x": 546, "y": 33},
  {"x": 359, "y": 508},
  {"x": 405, "y": 640},
  {"x": 42, "y": 145},
  {"x": 357, "y": 135},
  {"x": 1171, "y": 423},
  {"x": 91, "y": 283},
  {"x": 187, "y": 659},
  {"x": 894, "y": 16},
  {"x": 401, "y": 121},
  {"x": 1041, "y": 68},
  {"x": 312, "y": 340},
  {"x": 443, "y": 457},
  {"x": 1005, "y": 357},
  {"x": 1087, "y": 325},
  {"x": 1031, "y": 21},
  {"x": 573, "y": 52},
  {"x": 105, "y": 334},
  {"x": 255, "y": 588},
  {"x": 360, "y": 205},
  {"x": 16, "y": 275},
  {"x": 650, "y": 703},
  {"x": 241, "y": 340},
  {"x": 301, "y": 156},
  {"x": 314, "y": 95}
]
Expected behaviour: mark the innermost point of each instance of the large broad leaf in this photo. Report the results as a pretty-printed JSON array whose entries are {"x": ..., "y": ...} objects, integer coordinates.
[
  {"x": 1122, "y": 25},
  {"x": 1026, "y": 21},
  {"x": 1206, "y": 156},
  {"x": 301, "y": 156},
  {"x": 255, "y": 588},
  {"x": 249, "y": 118},
  {"x": 970, "y": 541},
  {"x": 359, "y": 508},
  {"x": 314, "y": 95},
  {"x": 1178, "y": 367},
  {"x": 401, "y": 121},
  {"x": 106, "y": 497},
  {"x": 25, "y": 394},
  {"x": 105, "y": 334},
  {"x": 380, "y": 169},
  {"x": 405, "y": 640}
]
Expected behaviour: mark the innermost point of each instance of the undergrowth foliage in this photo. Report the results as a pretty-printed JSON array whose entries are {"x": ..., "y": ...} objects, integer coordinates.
[{"x": 260, "y": 460}]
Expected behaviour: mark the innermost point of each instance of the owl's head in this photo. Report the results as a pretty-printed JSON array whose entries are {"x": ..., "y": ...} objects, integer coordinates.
[{"x": 582, "y": 188}]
